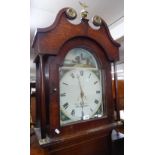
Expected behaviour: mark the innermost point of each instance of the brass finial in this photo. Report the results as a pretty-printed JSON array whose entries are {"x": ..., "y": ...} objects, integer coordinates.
[
  {"x": 84, "y": 12},
  {"x": 97, "y": 21},
  {"x": 71, "y": 13}
]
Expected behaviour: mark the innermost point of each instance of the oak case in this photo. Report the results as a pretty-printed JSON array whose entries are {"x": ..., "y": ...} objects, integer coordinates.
[{"x": 87, "y": 137}]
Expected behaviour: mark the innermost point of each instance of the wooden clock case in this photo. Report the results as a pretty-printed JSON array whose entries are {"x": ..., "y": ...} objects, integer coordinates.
[{"x": 91, "y": 137}]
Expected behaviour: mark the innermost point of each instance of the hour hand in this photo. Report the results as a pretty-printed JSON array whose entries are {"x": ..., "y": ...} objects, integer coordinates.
[{"x": 81, "y": 93}]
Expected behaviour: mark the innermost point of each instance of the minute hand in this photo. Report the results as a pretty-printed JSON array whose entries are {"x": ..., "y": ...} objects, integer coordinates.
[{"x": 81, "y": 93}]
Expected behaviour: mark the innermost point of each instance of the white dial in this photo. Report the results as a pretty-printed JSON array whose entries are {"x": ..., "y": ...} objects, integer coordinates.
[{"x": 80, "y": 93}]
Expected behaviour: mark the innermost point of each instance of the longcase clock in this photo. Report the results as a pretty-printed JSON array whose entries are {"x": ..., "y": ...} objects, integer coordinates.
[{"x": 74, "y": 86}]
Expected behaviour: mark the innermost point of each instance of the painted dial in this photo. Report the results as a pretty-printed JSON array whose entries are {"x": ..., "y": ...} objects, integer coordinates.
[
  {"x": 81, "y": 96},
  {"x": 80, "y": 93}
]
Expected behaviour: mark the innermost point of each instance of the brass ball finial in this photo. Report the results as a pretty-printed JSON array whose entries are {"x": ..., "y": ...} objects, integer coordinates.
[
  {"x": 71, "y": 13},
  {"x": 97, "y": 20},
  {"x": 84, "y": 12}
]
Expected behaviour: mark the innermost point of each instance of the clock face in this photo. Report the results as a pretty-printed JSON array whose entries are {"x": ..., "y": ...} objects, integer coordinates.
[{"x": 81, "y": 95}]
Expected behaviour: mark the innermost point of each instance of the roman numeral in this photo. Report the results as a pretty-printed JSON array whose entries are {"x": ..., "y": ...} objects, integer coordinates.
[
  {"x": 66, "y": 105},
  {"x": 96, "y": 101},
  {"x": 89, "y": 75},
  {"x": 63, "y": 94},
  {"x": 91, "y": 109},
  {"x": 65, "y": 83},
  {"x": 72, "y": 75},
  {"x": 73, "y": 112},
  {"x": 95, "y": 82},
  {"x": 98, "y": 91}
]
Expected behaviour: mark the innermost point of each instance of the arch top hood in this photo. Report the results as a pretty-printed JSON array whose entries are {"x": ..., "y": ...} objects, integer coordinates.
[{"x": 49, "y": 40}]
